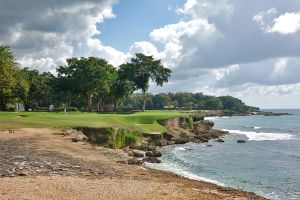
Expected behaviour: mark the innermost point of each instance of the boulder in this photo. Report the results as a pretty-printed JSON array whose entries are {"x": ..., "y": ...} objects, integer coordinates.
[
  {"x": 220, "y": 140},
  {"x": 154, "y": 153},
  {"x": 151, "y": 160},
  {"x": 201, "y": 138},
  {"x": 144, "y": 147},
  {"x": 160, "y": 143},
  {"x": 203, "y": 126},
  {"x": 241, "y": 141},
  {"x": 138, "y": 153},
  {"x": 181, "y": 141},
  {"x": 134, "y": 161}
]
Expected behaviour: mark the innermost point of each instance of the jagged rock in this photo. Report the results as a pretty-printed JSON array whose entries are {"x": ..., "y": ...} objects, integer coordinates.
[
  {"x": 134, "y": 161},
  {"x": 151, "y": 160},
  {"x": 201, "y": 138},
  {"x": 241, "y": 141},
  {"x": 160, "y": 143},
  {"x": 154, "y": 153},
  {"x": 167, "y": 136},
  {"x": 203, "y": 126}
]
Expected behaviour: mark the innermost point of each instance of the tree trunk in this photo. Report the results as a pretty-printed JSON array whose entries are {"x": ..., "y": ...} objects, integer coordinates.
[
  {"x": 90, "y": 102},
  {"x": 144, "y": 101},
  {"x": 2, "y": 105},
  {"x": 115, "y": 105},
  {"x": 99, "y": 105}
]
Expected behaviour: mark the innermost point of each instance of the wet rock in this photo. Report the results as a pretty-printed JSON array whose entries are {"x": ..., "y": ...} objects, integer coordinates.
[
  {"x": 154, "y": 153},
  {"x": 241, "y": 141},
  {"x": 181, "y": 141},
  {"x": 201, "y": 138},
  {"x": 220, "y": 140},
  {"x": 151, "y": 160}
]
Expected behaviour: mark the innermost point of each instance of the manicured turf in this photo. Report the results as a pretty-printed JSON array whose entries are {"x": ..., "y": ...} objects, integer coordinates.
[{"x": 143, "y": 121}]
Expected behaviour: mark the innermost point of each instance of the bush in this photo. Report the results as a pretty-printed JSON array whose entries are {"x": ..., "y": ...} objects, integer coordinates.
[
  {"x": 186, "y": 122},
  {"x": 121, "y": 138},
  {"x": 198, "y": 117},
  {"x": 11, "y": 109}
]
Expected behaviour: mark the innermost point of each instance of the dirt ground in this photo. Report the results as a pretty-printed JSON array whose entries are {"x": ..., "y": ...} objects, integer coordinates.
[{"x": 41, "y": 164}]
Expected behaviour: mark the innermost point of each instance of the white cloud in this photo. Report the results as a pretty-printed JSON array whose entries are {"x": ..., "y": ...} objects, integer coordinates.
[
  {"x": 287, "y": 23},
  {"x": 144, "y": 47},
  {"x": 43, "y": 34},
  {"x": 175, "y": 37},
  {"x": 280, "y": 66},
  {"x": 223, "y": 72},
  {"x": 265, "y": 18}
]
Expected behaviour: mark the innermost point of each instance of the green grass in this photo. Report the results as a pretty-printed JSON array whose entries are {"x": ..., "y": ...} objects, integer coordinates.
[{"x": 141, "y": 121}]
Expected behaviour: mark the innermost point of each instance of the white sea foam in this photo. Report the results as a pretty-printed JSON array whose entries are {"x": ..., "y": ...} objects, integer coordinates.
[
  {"x": 224, "y": 117},
  {"x": 179, "y": 171},
  {"x": 211, "y": 118},
  {"x": 180, "y": 148},
  {"x": 262, "y": 136},
  {"x": 257, "y": 127}
]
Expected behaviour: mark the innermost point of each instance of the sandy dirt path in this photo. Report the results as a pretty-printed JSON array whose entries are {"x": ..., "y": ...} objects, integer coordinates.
[{"x": 39, "y": 164}]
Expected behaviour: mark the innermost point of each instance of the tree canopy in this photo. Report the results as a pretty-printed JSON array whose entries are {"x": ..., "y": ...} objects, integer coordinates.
[
  {"x": 92, "y": 84},
  {"x": 141, "y": 70}
]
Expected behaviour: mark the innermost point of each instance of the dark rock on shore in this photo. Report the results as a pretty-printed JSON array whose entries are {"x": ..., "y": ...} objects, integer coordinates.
[
  {"x": 220, "y": 140},
  {"x": 269, "y": 113},
  {"x": 181, "y": 141},
  {"x": 138, "y": 153},
  {"x": 144, "y": 147},
  {"x": 154, "y": 153},
  {"x": 134, "y": 161},
  {"x": 151, "y": 160}
]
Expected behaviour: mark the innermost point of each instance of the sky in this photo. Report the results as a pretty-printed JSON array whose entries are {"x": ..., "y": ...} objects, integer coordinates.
[{"x": 246, "y": 49}]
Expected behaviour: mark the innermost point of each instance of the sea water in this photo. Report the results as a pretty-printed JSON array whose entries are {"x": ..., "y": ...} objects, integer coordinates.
[{"x": 267, "y": 164}]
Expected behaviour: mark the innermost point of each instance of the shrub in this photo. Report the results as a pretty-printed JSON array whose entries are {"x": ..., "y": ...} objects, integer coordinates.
[
  {"x": 121, "y": 138},
  {"x": 199, "y": 116},
  {"x": 186, "y": 122}
]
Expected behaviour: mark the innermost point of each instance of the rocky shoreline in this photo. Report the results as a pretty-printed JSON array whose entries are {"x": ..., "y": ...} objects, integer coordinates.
[
  {"x": 179, "y": 130},
  {"x": 58, "y": 166},
  {"x": 220, "y": 113}
]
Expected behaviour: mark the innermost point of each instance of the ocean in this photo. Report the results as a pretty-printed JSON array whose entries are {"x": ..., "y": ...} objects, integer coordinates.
[{"x": 267, "y": 164}]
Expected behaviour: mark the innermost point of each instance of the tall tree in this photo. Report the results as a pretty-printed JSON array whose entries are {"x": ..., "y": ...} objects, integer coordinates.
[
  {"x": 141, "y": 70},
  {"x": 40, "y": 90},
  {"x": 13, "y": 84},
  {"x": 90, "y": 77}
]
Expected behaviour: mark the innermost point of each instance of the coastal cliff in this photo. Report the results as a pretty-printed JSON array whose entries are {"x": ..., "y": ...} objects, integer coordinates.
[{"x": 142, "y": 147}]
